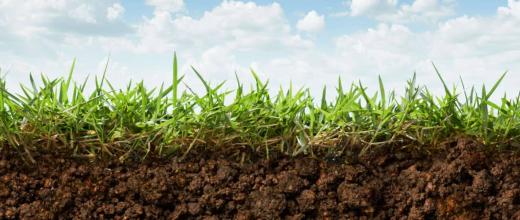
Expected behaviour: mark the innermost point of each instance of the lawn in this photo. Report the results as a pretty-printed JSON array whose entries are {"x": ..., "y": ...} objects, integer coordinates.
[{"x": 139, "y": 152}]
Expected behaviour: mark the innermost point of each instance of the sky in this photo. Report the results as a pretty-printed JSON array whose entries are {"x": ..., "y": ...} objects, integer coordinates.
[{"x": 301, "y": 42}]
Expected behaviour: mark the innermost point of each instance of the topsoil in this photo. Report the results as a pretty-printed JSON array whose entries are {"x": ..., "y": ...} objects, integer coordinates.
[{"x": 462, "y": 182}]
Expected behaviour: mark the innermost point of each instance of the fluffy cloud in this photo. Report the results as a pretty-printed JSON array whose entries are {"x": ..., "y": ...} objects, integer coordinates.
[
  {"x": 476, "y": 48},
  {"x": 390, "y": 11},
  {"x": 115, "y": 11},
  {"x": 234, "y": 36},
  {"x": 371, "y": 7},
  {"x": 166, "y": 5},
  {"x": 54, "y": 18},
  {"x": 230, "y": 37},
  {"x": 83, "y": 13},
  {"x": 312, "y": 22},
  {"x": 236, "y": 25},
  {"x": 513, "y": 9},
  {"x": 44, "y": 36},
  {"x": 384, "y": 49},
  {"x": 424, "y": 11}
]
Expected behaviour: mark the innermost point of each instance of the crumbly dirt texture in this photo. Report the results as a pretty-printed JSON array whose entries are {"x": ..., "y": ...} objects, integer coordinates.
[{"x": 462, "y": 182}]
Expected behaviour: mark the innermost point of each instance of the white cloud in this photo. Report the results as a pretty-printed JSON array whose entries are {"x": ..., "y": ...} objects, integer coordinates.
[
  {"x": 477, "y": 48},
  {"x": 392, "y": 51},
  {"x": 429, "y": 11},
  {"x": 54, "y": 18},
  {"x": 512, "y": 9},
  {"x": 236, "y": 25},
  {"x": 228, "y": 38},
  {"x": 84, "y": 13},
  {"x": 371, "y": 7},
  {"x": 115, "y": 11},
  {"x": 235, "y": 35},
  {"x": 44, "y": 36},
  {"x": 424, "y": 11},
  {"x": 423, "y": 5},
  {"x": 312, "y": 22},
  {"x": 166, "y": 5}
]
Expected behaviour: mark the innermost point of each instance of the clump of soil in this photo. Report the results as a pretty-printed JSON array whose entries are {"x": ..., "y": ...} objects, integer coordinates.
[{"x": 462, "y": 183}]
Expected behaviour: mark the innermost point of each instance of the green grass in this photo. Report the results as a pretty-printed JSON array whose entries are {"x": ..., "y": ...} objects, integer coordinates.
[{"x": 58, "y": 114}]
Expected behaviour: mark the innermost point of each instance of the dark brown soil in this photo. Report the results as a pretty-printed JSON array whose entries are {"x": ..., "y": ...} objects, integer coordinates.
[{"x": 461, "y": 183}]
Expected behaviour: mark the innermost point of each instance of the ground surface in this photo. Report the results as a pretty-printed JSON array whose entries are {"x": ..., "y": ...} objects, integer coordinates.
[{"x": 461, "y": 183}]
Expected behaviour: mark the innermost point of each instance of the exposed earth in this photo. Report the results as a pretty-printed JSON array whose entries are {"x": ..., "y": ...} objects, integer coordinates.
[{"x": 462, "y": 182}]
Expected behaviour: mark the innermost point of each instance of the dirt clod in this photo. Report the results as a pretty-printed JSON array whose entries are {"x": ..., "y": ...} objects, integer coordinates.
[{"x": 460, "y": 183}]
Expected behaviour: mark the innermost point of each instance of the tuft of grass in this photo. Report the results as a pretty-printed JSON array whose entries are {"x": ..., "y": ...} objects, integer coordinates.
[{"x": 135, "y": 121}]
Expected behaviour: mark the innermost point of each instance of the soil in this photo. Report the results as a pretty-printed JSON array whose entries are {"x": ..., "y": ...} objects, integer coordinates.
[{"x": 463, "y": 182}]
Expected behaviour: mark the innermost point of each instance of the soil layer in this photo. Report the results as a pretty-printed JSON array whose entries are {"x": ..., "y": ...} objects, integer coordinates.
[{"x": 462, "y": 182}]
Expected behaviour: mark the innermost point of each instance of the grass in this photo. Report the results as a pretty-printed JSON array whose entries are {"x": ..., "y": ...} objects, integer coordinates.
[{"x": 137, "y": 121}]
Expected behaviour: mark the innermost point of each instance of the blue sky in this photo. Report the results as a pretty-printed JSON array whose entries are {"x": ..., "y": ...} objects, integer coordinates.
[{"x": 306, "y": 42}]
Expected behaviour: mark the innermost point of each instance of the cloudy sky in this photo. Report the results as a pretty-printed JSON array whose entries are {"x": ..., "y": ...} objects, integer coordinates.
[{"x": 306, "y": 42}]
